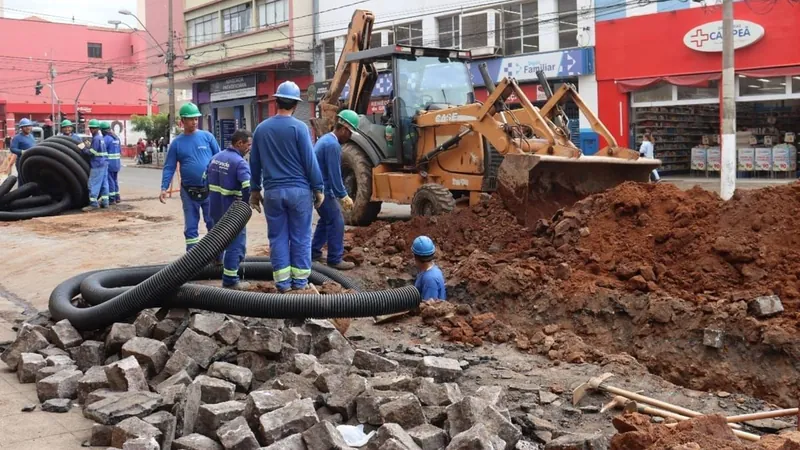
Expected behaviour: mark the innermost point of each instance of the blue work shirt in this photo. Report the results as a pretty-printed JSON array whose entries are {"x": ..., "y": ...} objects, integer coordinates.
[
  {"x": 114, "y": 152},
  {"x": 194, "y": 152},
  {"x": 228, "y": 177},
  {"x": 329, "y": 158},
  {"x": 75, "y": 138},
  {"x": 20, "y": 143},
  {"x": 97, "y": 152},
  {"x": 282, "y": 156},
  {"x": 430, "y": 284}
]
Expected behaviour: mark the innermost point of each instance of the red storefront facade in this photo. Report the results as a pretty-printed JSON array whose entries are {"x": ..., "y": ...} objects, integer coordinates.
[{"x": 638, "y": 53}]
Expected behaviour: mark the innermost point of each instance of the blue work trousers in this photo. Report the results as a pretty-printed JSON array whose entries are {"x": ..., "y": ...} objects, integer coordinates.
[
  {"x": 234, "y": 255},
  {"x": 191, "y": 218},
  {"x": 289, "y": 212},
  {"x": 98, "y": 185},
  {"x": 330, "y": 230},
  {"x": 113, "y": 186}
]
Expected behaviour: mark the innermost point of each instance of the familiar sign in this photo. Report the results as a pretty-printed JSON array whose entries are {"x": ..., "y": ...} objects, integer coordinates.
[
  {"x": 556, "y": 64},
  {"x": 233, "y": 88},
  {"x": 708, "y": 36}
]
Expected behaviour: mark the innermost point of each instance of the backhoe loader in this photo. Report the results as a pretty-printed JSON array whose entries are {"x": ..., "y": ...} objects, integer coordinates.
[{"x": 438, "y": 147}]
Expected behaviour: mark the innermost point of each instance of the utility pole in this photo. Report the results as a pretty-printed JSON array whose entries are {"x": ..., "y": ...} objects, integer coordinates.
[
  {"x": 53, "y": 97},
  {"x": 728, "y": 144},
  {"x": 149, "y": 84},
  {"x": 171, "y": 73}
]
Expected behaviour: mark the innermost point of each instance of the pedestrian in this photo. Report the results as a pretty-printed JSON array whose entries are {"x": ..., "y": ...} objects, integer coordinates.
[
  {"x": 98, "y": 174},
  {"x": 228, "y": 177},
  {"x": 114, "y": 162},
  {"x": 430, "y": 281},
  {"x": 68, "y": 130},
  {"x": 647, "y": 150},
  {"x": 330, "y": 226},
  {"x": 21, "y": 142},
  {"x": 193, "y": 150},
  {"x": 283, "y": 162},
  {"x": 140, "y": 148}
]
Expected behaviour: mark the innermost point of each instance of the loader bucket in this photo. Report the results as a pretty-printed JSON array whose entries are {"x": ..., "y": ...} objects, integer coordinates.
[{"x": 533, "y": 187}]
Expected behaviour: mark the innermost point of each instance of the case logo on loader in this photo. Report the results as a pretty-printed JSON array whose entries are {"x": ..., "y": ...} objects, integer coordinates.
[{"x": 453, "y": 117}]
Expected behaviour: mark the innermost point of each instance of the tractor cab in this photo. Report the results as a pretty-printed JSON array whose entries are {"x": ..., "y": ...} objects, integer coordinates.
[{"x": 423, "y": 79}]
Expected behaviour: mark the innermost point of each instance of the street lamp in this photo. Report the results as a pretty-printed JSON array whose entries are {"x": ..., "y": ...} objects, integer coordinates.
[
  {"x": 125, "y": 12},
  {"x": 116, "y": 23}
]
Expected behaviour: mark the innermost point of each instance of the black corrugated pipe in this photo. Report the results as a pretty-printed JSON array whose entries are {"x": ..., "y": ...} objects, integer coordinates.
[
  {"x": 42, "y": 211},
  {"x": 30, "y": 202},
  {"x": 333, "y": 274},
  {"x": 26, "y": 190},
  {"x": 7, "y": 185},
  {"x": 156, "y": 287}
]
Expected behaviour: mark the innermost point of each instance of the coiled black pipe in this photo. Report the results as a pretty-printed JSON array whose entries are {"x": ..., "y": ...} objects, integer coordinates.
[
  {"x": 333, "y": 274},
  {"x": 72, "y": 145},
  {"x": 30, "y": 202},
  {"x": 42, "y": 211},
  {"x": 158, "y": 286},
  {"x": 69, "y": 149},
  {"x": 23, "y": 191},
  {"x": 7, "y": 185},
  {"x": 59, "y": 179}
]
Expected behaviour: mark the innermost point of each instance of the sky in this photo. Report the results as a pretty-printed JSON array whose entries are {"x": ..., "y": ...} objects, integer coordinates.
[{"x": 87, "y": 12}]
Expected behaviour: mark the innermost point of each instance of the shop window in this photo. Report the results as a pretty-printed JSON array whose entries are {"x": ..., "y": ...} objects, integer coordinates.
[
  {"x": 449, "y": 28},
  {"x": 329, "y": 49},
  {"x": 272, "y": 12},
  {"x": 796, "y": 85},
  {"x": 749, "y": 86},
  {"x": 567, "y": 23},
  {"x": 409, "y": 34},
  {"x": 203, "y": 29},
  {"x": 520, "y": 28},
  {"x": 95, "y": 50},
  {"x": 661, "y": 92},
  {"x": 236, "y": 20},
  {"x": 698, "y": 93}
]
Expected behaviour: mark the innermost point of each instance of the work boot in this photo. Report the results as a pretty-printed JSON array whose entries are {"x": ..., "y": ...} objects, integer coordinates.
[
  {"x": 240, "y": 286},
  {"x": 91, "y": 207},
  {"x": 316, "y": 258},
  {"x": 342, "y": 265}
]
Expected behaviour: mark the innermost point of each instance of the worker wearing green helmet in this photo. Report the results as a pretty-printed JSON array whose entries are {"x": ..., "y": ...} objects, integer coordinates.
[
  {"x": 98, "y": 175},
  {"x": 193, "y": 150},
  {"x": 114, "y": 161},
  {"x": 330, "y": 227},
  {"x": 68, "y": 130}
]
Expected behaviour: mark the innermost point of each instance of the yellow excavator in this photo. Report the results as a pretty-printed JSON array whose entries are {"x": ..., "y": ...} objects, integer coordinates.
[{"x": 437, "y": 147}]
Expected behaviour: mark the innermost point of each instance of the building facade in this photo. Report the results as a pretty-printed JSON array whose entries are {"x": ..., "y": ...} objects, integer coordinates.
[{"x": 79, "y": 53}]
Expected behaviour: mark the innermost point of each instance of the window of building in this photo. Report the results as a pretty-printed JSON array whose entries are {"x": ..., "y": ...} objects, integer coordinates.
[
  {"x": 477, "y": 28},
  {"x": 796, "y": 85},
  {"x": 236, "y": 20},
  {"x": 409, "y": 33},
  {"x": 698, "y": 93},
  {"x": 203, "y": 29},
  {"x": 567, "y": 23},
  {"x": 661, "y": 92},
  {"x": 520, "y": 28},
  {"x": 749, "y": 86},
  {"x": 95, "y": 50},
  {"x": 449, "y": 31},
  {"x": 377, "y": 38},
  {"x": 329, "y": 49},
  {"x": 272, "y": 12}
]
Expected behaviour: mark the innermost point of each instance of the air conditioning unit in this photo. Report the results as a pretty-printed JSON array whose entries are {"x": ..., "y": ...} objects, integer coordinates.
[
  {"x": 486, "y": 52},
  {"x": 472, "y": 28}
]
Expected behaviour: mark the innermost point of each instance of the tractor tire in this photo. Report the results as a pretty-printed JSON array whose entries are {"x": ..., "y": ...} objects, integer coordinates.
[
  {"x": 357, "y": 176},
  {"x": 432, "y": 200}
]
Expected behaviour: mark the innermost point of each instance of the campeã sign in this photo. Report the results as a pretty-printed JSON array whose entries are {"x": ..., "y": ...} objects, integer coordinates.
[{"x": 708, "y": 36}]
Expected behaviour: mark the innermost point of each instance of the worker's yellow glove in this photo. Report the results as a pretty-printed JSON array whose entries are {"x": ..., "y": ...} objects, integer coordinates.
[
  {"x": 347, "y": 203},
  {"x": 255, "y": 200}
]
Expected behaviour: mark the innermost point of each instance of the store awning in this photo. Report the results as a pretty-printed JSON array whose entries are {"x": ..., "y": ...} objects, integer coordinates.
[
  {"x": 771, "y": 72},
  {"x": 698, "y": 80}
]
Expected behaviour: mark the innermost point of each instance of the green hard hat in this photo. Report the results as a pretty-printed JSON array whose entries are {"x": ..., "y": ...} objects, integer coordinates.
[
  {"x": 349, "y": 118},
  {"x": 189, "y": 110},
  {"x": 94, "y": 123},
  {"x": 105, "y": 125},
  {"x": 66, "y": 123}
]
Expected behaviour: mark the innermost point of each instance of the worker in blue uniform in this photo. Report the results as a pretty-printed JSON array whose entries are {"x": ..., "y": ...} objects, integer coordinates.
[
  {"x": 430, "y": 281},
  {"x": 68, "y": 130},
  {"x": 283, "y": 162},
  {"x": 228, "y": 177},
  {"x": 114, "y": 161},
  {"x": 330, "y": 226},
  {"x": 193, "y": 149},
  {"x": 21, "y": 142},
  {"x": 98, "y": 173}
]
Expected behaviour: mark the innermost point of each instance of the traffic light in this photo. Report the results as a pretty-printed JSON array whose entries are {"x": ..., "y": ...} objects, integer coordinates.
[
  {"x": 110, "y": 76},
  {"x": 39, "y": 87}
]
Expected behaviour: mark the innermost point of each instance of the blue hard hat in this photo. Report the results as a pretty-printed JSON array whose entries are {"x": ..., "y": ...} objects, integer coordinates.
[
  {"x": 288, "y": 90},
  {"x": 25, "y": 123},
  {"x": 423, "y": 246}
]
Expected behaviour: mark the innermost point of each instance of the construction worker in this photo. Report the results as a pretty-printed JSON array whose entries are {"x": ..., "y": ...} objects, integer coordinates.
[
  {"x": 228, "y": 177},
  {"x": 21, "y": 142},
  {"x": 114, "y": 162},
  {"x": 430, "y": 281},
  {"x": 98, "y": 174},
  {"x": 330, "y": 227},
  {"x": 67, "y": 130},
  {"x": 283, "y": 161},
  {"x": 193, "y": 150}
]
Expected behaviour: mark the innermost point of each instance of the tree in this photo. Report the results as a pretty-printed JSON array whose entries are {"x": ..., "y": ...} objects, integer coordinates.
[{"x": 154, "y": 127}]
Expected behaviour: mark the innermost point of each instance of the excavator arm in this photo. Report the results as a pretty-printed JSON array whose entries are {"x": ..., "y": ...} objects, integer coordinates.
[{"x": 362, "y": 77}]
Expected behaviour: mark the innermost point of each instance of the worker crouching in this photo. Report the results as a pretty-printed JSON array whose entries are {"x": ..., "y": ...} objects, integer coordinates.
[
  {"x": 98, "y": 173},
  {"x": 430, "y": 281},
  {"x": 228, "y": 177},
  {"x": 330, "y": 227}
]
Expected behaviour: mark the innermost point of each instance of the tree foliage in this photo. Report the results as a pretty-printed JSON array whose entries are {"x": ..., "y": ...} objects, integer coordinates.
[{"x": 154, "y": 127}]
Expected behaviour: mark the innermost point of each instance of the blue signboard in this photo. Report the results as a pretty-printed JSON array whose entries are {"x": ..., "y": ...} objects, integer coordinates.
[{"x": 558, "y": 64}]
